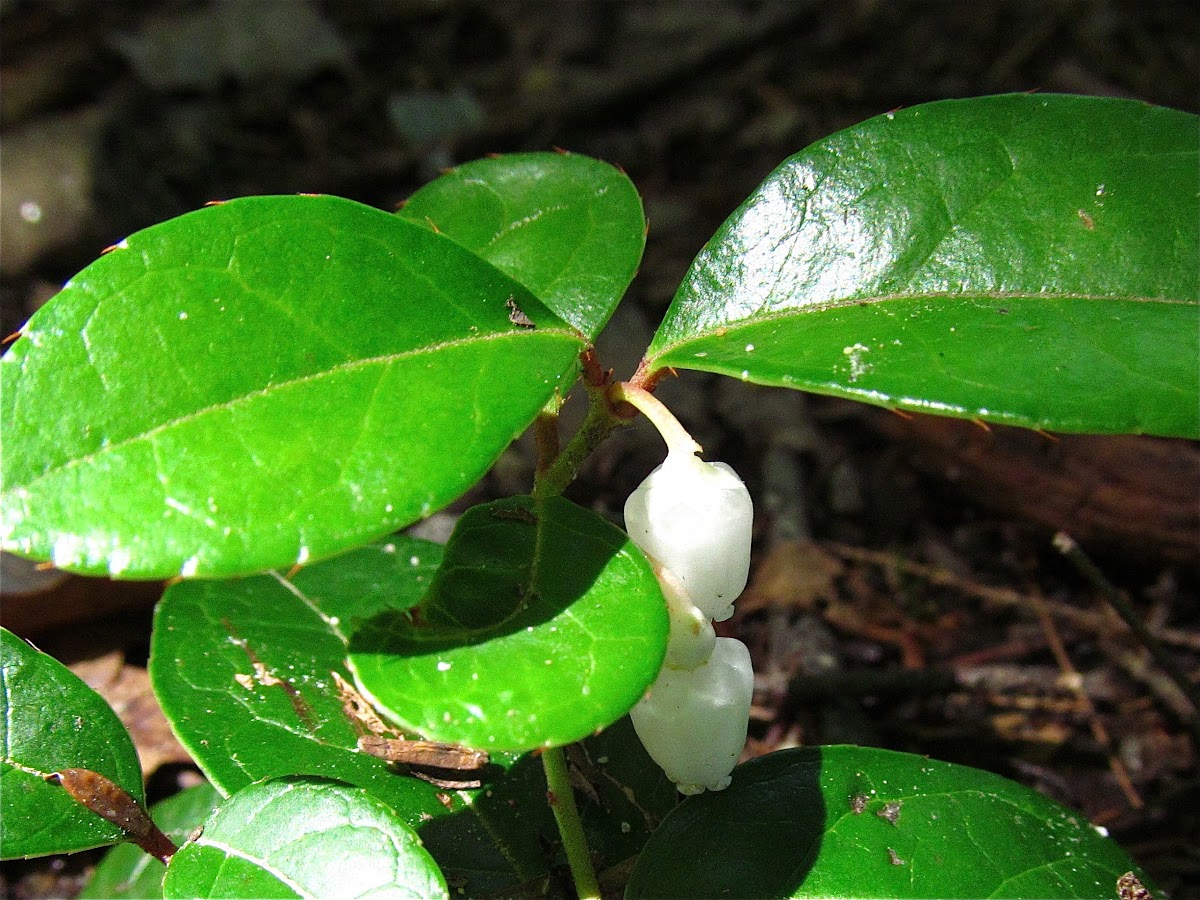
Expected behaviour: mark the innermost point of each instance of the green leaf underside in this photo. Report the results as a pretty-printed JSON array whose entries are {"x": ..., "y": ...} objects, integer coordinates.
[
  {"x": 569, "y": 228},
  {"x": 129, "y": 873},
  {"x": 304, "y": 838},
  {"x": 543, "y": 625},
  {"x": 53, "y": 721},
  {"x": 1028, "y": 259},
  {"x": 242, "y": 725},
  {"x": 264, "y": 382},
  {"x": 863, "y": 822}
]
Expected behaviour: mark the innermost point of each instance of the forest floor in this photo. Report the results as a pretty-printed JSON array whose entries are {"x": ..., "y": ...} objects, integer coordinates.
[{"x": 905, "y": 591}]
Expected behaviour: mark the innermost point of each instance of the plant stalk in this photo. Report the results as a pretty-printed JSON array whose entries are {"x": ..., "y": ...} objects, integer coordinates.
[
  {"x": 562, "y": 802},
  {"x": 673, "y": 433},
  {"x": 601, "y": 421}
]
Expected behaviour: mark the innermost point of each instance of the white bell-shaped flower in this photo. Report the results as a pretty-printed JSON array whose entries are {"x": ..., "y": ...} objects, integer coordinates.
[
  {"x": 693, "y": 722},
  {"x": 694, "y": 518}
]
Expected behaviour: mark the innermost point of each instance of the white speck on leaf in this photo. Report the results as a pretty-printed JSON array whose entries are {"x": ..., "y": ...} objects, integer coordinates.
[{"x": 858, "y": 365}]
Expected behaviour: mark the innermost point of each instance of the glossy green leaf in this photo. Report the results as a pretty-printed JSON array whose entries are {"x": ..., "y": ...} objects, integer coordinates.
[
  {"x": 862, "y": 822},
  {"x": 264, "y": 382},
  {"x": 129, "y": 873},
  {"x": 543, "y": 624},
  {"x": 50, "y": 721},
  {"x": 1027, "y": 259},
  {"x": 569, "y": 228},
  {"x": 304, "y": 838},
  {"x": 244, "y": 671}
]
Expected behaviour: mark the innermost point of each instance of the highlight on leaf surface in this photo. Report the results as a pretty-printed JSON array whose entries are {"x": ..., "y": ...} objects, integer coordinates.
[{"x": 1023, "y": 259}]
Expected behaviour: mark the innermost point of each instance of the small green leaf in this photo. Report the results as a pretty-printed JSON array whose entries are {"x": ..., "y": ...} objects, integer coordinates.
[
  {"x": 244, "y": 671},
  {"x": 304, "y": 838},
  {"x": 51, "y": 721},
  {"x": 265, "y": 382},
  {"x": 862, "y": 822},
  {"x": 543, "y": 625},
  {"x": 1027, "y": 259},
  {"x": 129, "y": 873},
  {"x": 567, "y": 227}
]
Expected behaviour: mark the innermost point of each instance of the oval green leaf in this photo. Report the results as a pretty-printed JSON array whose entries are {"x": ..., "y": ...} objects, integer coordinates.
[
  {"x": 247, "y": 672},
  {"x": 569, "y": 228},
  {"x": 129, "y": 873},
  {"x": 264, "y": 382},
  {"x": 543, "y": 625},
  {"x": 49, "y": 721},
  {"x": 1026, "y": 259},
  {"x": 304, "y": 838},
  {"x": 863, "y": 822}
]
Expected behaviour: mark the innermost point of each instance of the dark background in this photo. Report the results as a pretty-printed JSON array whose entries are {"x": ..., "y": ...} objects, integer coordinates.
[{"x": 118, "y": 115}]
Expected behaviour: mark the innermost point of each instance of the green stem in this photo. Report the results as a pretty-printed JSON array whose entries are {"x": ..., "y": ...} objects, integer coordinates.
[
  {"x": 570, "y": 826},
  {"x": 601, "y": 421}
]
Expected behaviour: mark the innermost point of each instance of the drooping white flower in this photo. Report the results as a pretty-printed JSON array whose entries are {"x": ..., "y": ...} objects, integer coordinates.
[
  {"x": 694, "y": 518},
  {"x": 693, "y": 722}
]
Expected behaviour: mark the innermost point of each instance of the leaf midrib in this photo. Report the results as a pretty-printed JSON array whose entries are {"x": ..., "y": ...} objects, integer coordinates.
[
  {"x": 349, "y": 365},
  {"x": 804, "y": 309}
]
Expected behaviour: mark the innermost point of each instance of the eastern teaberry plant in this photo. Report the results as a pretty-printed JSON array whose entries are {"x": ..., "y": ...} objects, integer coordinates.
[{"x": 254, "y": 399}]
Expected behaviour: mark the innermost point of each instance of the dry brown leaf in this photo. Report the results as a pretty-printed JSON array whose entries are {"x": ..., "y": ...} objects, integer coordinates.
[
  {"x": 127, "y": 690},
  {"x": 795, "y": 573}
]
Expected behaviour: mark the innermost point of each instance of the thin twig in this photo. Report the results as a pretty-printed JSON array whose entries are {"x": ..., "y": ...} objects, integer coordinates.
[
  {"x": 1075, "y": 682},
  {"x": 1066, "y": 545},
  {"x": 1087, "y": 620}
]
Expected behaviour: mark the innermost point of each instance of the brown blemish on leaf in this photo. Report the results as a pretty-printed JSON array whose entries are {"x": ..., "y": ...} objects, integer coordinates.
[
  {"x": 1130, "y": 887},
  {"x": 450, "y": 766},
  {"x": 358, "y": 710},
  {"x": 894, "y": 858},
  {"x": 858, "y": 803},
  {"x": 516, "y": 316},
  {"x": 263, "y": 676}
]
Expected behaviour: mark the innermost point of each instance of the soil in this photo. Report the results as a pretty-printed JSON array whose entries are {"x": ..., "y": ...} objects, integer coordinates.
[{"x": 906, "y": 592}]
